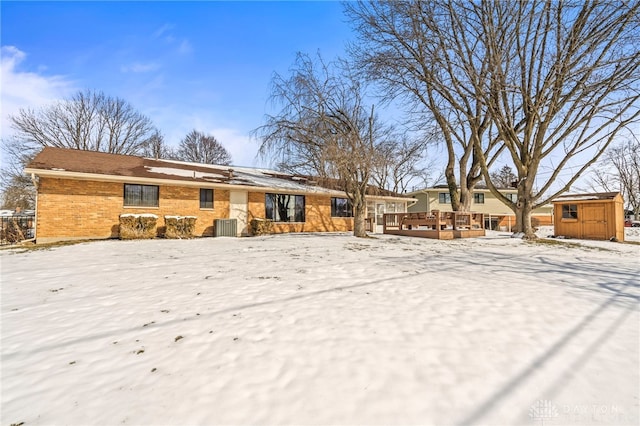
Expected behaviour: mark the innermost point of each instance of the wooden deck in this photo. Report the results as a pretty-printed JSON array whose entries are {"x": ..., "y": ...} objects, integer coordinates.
[{"x": 435, "y": 224}]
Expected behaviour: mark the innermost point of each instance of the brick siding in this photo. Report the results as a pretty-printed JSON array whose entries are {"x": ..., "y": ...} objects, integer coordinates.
[
  {"x": 82, "y": 209},
  {"x": 78, "y": 209},
  {"x": 317, "y": 215}
]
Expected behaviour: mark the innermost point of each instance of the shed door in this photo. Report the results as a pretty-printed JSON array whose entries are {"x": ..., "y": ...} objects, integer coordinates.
[{"x": 594, "y": 221}]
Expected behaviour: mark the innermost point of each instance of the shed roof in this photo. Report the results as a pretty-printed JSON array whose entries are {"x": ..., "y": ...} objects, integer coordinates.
[
  {"x": 586, "y": 197},
  {"x": 73, "y": 163}
]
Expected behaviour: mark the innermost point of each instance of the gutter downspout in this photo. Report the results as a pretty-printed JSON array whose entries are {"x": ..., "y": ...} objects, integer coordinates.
[
  {"x": 35, "y": 218},
  {"x": 34, "y": 181},
  {"x": 428, "y": 200}
]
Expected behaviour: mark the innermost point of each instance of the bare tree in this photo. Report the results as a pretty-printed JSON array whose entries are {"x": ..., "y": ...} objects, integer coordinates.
[
  {"x": 415, "y": 51},
  {"x": 400, "y": 161},
  {"x": 503, "y": 178},
  {"x": 325, "y": 127},
  {"x": 200, "y": 148},
  {"x": 619, "y": 170},
  {"x": 89, "y": 120},
  {"x": 552, "y": 81},
  {"x": 563, "y": 84},
  {"x": 19, "y": 194},
  {"x": 17, "y": 188},
  {"x": 155, "y": 147}
]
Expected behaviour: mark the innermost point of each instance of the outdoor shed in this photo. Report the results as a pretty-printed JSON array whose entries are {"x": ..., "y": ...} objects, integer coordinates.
[{"x": 598, "y": 216}]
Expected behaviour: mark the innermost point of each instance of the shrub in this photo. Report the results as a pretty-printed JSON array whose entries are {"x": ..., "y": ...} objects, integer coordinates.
[
  {"x": 180, "y": 226},
  {"x": 147, "y": 225},
  {"x": 171, "y": 227},
  {"x": 261, "y": 227},
  {"x": 189, "y": 226},
  {"x": 138, "y": 226},
  {"x": 13, "y": 232}
]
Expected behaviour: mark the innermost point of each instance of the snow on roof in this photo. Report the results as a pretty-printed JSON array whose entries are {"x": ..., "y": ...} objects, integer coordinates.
[
  {"x": 262, "y": 179},
  {"x": 242, "y": 176},
  {"x": 585, "y": 197},
  {"x": 218, "y": 168},
  {"x": 72, "y": 162},
  {"x": 185, "y": 173}
]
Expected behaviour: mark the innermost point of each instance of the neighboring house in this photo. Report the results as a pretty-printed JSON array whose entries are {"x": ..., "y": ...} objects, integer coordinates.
[
  {"x": 497, "y": 215},
  {"x": 81, "y": 194},
  {"x": 598, "y": 216}
]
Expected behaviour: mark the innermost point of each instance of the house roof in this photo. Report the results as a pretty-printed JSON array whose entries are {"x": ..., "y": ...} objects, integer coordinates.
[
  {"x": 445, "y": 188},
  {"x": 586, "y": 197},
  {"x": 80, "y": 164}
]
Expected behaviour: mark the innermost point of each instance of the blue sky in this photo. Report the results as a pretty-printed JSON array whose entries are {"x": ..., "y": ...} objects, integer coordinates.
[
  {"x": 186, "y": 65},
  {"x": 202, "y": 65}
]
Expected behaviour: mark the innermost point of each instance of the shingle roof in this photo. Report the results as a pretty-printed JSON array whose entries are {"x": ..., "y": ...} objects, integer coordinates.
[{"x": 63, "y": 160}]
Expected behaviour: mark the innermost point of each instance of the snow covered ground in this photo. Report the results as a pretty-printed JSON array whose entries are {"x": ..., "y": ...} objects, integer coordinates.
[{"x": 322, "y": 329}]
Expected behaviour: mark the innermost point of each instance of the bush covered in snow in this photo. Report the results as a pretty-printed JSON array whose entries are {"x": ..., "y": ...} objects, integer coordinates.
[
  {"x": 179, "y": 226},
  {"x": 138, "y": 226},
  {"x": 261, "y": 227}
]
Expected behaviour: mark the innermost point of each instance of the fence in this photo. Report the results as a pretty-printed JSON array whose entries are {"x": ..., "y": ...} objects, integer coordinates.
[
  {"x": 368, "y": 224},
  {"x": 16, "y": 228}
]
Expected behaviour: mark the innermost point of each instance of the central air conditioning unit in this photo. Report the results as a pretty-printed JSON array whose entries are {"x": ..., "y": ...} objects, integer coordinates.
[{"x": 225, "y": 227}]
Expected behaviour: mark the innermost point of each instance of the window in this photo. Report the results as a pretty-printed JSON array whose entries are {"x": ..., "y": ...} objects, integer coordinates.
[
  {"x": 444, "y": 198},
  {"x": 206, "y": 198},
  {"x": 569, "y": 211},
  {"x": 141, "y": 195},
  {"x": 395, "y": 207},
  {"x": 284, "y": 207},
  {"x": 478, "y": 198},
  {"x": 341, "y": 207},
  {"x": 512, "y": 197}
]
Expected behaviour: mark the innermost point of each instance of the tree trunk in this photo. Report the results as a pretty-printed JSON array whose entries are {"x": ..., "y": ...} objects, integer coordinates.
[
  {"x": 452, "y": 184},
  {"x": 359, "y": 213},
  {"x": 465, "y": 199},
  {"x": 523, "y": 216}
]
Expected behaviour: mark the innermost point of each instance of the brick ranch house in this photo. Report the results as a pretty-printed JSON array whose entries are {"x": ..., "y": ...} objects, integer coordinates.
[{"x": 81, "y": 195}]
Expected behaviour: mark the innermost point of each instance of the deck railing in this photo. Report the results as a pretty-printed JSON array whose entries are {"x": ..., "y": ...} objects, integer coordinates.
[
  {"x": 392, "y": 221},
  {"x": 368, "y": 224},
  {"x": 435, "y": 220}
]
